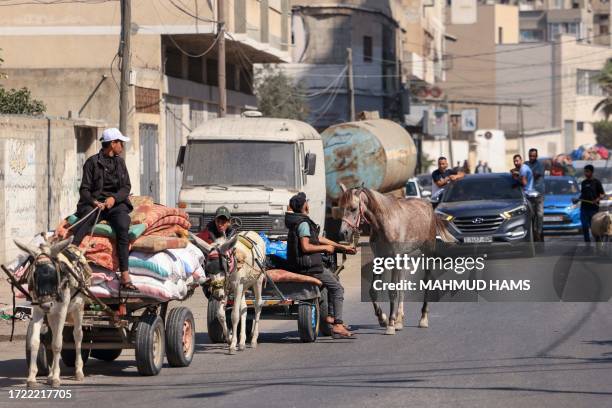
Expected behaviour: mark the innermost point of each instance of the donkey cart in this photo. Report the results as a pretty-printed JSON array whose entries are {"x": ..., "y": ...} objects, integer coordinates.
[
  {"x": 303, "y": 302},
  {"x": 114, "y": 324}
]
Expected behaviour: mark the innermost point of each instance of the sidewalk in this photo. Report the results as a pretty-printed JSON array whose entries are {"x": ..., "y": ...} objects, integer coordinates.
[{"x": 6, "y": 305}]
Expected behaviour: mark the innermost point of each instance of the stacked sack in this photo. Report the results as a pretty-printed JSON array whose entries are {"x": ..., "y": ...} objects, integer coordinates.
[
  {"x": 591, "y": 152},
  {"x": 163, "y": 263}
]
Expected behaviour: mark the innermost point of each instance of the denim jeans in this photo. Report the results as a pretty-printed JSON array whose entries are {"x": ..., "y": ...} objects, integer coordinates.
[{"x": 585, "y": 218}]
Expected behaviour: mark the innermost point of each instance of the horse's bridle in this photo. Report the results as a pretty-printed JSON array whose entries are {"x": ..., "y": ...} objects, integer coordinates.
[{"x": 361, "y": 219}]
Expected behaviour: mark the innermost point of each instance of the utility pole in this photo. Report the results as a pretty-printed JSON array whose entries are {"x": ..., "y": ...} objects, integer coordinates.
[
  {"x": 521, "y": 129},
  {"x": 124, "y": 53},
  {"x": 450, "y": 131},
  {"x": 349, "y": 84},
  {"x": 221, "y": 58}
]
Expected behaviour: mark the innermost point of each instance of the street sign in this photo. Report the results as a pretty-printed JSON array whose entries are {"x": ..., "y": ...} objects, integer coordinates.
[{"x": 469, "y": 120}]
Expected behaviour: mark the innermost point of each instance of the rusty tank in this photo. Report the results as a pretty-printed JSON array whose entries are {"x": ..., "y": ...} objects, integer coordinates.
[{"x": 378, "y": 154}]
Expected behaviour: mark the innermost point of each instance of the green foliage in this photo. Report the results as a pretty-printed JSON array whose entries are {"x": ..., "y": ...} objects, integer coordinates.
[
  {"x": 603, "y": 132},
  {"x": 605, "y": 81},
  {"x": 20, "y": 102},
  {"x": 278, "y": 96}
]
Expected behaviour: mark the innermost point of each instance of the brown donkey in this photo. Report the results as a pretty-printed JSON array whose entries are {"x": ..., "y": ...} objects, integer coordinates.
[{"x": 397, "y": 226}]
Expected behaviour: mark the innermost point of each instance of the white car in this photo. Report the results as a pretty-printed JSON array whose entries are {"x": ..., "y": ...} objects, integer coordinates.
[{"x": 414, "y": 190}]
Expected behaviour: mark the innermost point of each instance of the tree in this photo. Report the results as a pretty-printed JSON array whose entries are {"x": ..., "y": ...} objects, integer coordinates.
[
  {"x": 20, "y": 101},
  {"x": 604, "y": 79},
  {"x": 603, "y": 132},
  {"x": 278, "y": 96}
]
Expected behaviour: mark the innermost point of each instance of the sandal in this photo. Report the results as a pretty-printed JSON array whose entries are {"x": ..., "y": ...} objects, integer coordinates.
[{"x": 129, "y": 286}]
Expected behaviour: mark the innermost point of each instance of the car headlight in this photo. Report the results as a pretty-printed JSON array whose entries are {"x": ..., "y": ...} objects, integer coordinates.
[
  {"x": 444, "y": 216},
  {"x": 520, "y": 210},
  {"x": 573, "y": 206},
  {"x": 278, "y": 224},
  {"x": 195, "y": 221}
]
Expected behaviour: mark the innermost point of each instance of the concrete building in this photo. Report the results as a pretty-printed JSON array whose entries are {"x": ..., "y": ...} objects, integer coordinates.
[
  {"x": 71, "y": 64},
  {"x": 322, "y": 33}
]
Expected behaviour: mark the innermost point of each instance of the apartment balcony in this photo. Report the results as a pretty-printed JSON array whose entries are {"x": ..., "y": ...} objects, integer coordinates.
[{"x": 415, "y": 66}]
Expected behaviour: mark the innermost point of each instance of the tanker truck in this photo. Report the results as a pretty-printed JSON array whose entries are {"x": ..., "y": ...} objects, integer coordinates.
[
  {"x": 377, "y": 154},
  {"x": 253, "y": 165}
]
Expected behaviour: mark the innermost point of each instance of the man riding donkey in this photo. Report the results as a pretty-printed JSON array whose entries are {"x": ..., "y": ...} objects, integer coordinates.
[
  {"x": 219, "y": 227},
  {"x": 305, "y": 251},
  {"x": 106, "y": 187}
]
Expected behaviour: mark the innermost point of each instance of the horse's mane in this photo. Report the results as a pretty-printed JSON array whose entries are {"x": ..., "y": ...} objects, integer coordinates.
[{"x": 378, "y": 203}]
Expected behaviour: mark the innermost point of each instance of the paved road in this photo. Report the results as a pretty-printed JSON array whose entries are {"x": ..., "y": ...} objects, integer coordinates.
[{"x": 473, "y": 355}]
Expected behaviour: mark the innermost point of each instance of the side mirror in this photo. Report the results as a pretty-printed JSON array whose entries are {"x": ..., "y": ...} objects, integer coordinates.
[
  {"x": 426, "y": 193},
  {"x": 310, "y": 163},
  {"x": 181, "y": 157}
]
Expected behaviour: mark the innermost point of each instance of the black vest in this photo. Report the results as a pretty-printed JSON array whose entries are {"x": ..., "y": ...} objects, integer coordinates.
[{"x": 299, "y": 261}]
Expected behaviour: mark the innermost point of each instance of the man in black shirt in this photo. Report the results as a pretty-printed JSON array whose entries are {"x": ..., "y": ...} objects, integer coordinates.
[
  {"x": 106, "y": 185},
  {"x": 591, "y": 192},
  {"x": 443, "y": 175}
]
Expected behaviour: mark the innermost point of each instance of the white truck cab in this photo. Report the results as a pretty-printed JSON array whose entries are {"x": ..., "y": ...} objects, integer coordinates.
[{"x": 253, "y": 166}]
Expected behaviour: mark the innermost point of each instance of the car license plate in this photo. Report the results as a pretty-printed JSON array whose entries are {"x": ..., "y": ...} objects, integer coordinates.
[
  {"x": 552, "y": 218},
  {"x": 477, "y": 240}
]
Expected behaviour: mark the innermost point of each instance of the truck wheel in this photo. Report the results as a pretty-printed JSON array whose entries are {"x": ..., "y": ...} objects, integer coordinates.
[
  {"x": 150, "y": 344},
  {"x": 106, "y": 354},
  {"x": 325, "y": 329},
  {"x": 308, "y": 321},
  {"x": 44, "y": 358},
  {"x": 215, "y": 330},
  {"x": 69, "y": 355},
  {"x": 180, "y": 337}
]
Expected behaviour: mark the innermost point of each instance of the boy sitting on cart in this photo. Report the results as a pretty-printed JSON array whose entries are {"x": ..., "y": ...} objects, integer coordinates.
[{"x": 304, "y": 254}]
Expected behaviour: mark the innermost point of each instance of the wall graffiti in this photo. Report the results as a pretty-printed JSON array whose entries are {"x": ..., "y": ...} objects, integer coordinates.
[{"x": 20, "y": 190}]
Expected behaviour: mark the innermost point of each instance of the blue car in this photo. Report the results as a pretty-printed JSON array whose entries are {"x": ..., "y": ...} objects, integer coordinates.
[{"x": 560, "y": 214}]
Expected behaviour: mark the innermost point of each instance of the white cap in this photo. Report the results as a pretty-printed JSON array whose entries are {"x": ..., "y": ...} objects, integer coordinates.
[{"x": 111, "y": 134}]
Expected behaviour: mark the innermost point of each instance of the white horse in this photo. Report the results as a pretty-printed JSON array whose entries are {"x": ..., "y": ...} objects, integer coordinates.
[
  {"x": 234, "y": 267},
  {"x": 54, "y": 295}
]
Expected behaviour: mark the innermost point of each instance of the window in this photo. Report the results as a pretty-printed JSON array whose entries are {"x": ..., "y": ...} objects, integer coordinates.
[
  {"x": 586, "y": 83},
  {"x": 194, "y": 69},
  {"x": 174, "y": 64},
  {"x": 367, "y": 49},
  {"x": 554, "y": 29},
  {"x": 211, "y": 72},
  {"x": 531, "y": 36},
  {"x": 580, "y": 126},
  {"x": 500, "y": 35}
]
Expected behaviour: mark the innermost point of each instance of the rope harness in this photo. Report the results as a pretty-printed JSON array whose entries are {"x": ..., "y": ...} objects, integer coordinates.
[{"x": 361, "y": 219}]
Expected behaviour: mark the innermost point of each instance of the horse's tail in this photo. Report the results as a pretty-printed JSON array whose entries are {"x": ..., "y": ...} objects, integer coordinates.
[{"x": 442, "y": 231}]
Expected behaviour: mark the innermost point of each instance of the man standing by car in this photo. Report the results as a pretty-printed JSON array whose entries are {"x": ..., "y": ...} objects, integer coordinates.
[
  {"x": 305, "y": 251},
  {"x": 442, "y": 176},
  {"x": 523, "y": 175},
  {"x": 537, "y": 168},
  {"x": 591, "y": 192}
]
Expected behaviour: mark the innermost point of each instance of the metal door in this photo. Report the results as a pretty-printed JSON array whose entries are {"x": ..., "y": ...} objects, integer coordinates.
[
  {"x": 149, "y": 161},
  {"x": 174, "y": 140}
]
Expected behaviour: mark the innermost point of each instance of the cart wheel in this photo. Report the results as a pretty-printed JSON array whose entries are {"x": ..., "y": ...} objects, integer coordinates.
[
  {"x": 44, "y": 358},
  {"x": 69, "y": 355},
  {"x": 308, "y": 321},
  {"x": 249, "y": 325},
  {"x": 180, "y": 337},
  {"x": 215, "y": 330},
  {"x": 150, "y": 344},
  {"x": 106, "y": 354},
  {"x": 325, "y": 329}
]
